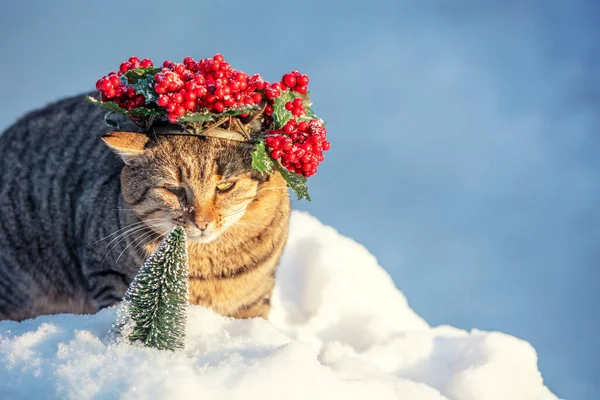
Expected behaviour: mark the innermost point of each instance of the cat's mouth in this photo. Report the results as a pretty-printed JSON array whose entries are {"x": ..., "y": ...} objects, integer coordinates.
[{"x": 200, "y": 237}]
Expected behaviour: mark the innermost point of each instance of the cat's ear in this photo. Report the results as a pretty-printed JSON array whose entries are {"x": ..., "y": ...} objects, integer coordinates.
[{"x": 129, "y": 145}]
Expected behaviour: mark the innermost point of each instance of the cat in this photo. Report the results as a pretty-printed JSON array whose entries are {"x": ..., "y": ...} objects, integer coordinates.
[{"x": 81, "y": 210}]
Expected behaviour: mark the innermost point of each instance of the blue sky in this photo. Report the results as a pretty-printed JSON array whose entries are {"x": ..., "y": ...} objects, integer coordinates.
[{"x": 465, "y": 138}]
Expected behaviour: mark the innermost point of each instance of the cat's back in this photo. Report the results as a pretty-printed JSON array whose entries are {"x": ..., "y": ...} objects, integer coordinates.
[
  {"x": 49, "y": 160},
  {"x": 50, "y": 140}
]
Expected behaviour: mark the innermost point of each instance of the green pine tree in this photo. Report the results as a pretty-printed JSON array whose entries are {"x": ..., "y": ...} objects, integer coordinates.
[{"x": 154, "y": 309}]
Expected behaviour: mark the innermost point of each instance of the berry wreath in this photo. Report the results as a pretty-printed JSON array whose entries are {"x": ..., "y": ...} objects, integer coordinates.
[{"x": 210, "y": 98}]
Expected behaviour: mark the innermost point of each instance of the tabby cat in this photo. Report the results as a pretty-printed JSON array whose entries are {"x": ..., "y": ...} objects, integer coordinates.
[{"x": 77, "y": 219}]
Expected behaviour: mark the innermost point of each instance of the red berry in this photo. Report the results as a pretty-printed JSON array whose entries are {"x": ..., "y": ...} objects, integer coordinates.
[
  {"x": 276, "y": 154},
  {"x": 179, "y": 68},
  {"x": 200, "y": 91},
  {"x": 289, "y": 80},
  {"x": 146, "y": 63},
  {"x": 126, "y": 66},
  {"x": 106, "y": 84},
  {"x": 115, "y": 81},
  {"x": 302, "y": 80},
  {"x": 177, "y": 98},
  {"x": 218, "y": 57},
  {"x": 256, "y": 97},
  {"x": 289, "y": 106},
  {"x": 162, "y": 101},
  {"x": 301, "y": 89},
  {"x": 288, "y": 129},
  {"x": 219, "y": 107}
]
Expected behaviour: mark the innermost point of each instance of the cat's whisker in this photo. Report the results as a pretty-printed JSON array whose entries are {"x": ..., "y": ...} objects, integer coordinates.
[
  {"x": 141, "y": 238},
  {"x": 123, "y": 228},
  {"x": 141, "y": 244},
  {"x": 135, "y": 226},
  {"x": 119, "y": 230},
  {"x": 112, "y": 248},
  {"x": 236, "y": 212},
  {"x": 130, "y": 232}
]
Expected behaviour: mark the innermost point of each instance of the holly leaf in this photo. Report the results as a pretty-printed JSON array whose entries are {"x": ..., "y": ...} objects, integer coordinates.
[
  {"x": 236, "y": 111},
  {"x": 145, "y": 112},
  {"x": 280, "y": 115},
  {"x": 310, "y": 114},
  {"x": 134, "y": 75},
  {"x": 261, "y": 160},
  {"x": 197, "y": 117},
  {"x": 145, "y": 86},
  {"x": 107, "y": 105},
  {"x": 296, "y": 182}
]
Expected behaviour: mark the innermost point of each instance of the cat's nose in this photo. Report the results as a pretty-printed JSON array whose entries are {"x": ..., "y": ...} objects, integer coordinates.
[{"x": 201, "y": 224}]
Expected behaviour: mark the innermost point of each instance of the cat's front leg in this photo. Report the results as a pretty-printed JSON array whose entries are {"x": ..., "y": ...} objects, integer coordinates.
[{"x": 106, "y": 287}]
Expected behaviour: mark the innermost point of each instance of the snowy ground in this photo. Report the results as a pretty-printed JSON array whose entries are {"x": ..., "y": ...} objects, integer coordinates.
[{"x": 339, "y": 329}]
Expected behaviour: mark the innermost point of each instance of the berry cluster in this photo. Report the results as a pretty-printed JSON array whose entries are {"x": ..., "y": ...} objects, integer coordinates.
[
  {"x": 209, "y": 84},
  {"x": 299, "y": 145},
  {"x": 295, "y": 137},
  {"x": 296, "y": 81},
  {"x": 114, "y": 88}
]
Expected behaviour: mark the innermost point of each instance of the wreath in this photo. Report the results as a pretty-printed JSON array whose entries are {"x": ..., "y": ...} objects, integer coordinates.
[{"x": 210, "y": 98}]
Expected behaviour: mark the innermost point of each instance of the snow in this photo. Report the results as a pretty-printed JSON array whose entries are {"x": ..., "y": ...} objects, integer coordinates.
[{"x": 338, "y": 329}]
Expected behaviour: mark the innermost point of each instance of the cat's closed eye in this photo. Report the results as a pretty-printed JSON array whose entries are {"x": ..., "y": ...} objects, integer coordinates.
[
  {"x": 176, "y": 190},
  {"x": 225, "y": 186}
]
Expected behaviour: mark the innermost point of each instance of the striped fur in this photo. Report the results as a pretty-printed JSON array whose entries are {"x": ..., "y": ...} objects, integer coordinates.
[{"x": 76, "y": 223}]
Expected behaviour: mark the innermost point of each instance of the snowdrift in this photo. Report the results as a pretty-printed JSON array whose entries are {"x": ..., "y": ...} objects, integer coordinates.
[{"x": 338, "y": 329}]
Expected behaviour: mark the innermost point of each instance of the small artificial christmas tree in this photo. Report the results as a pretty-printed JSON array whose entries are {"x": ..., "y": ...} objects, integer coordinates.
[{"x": 154, "y": 309}]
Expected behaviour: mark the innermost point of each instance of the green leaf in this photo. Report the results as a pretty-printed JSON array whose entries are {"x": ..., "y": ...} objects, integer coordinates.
[
  {"x": 208, "y": 116},
  {"x": 107, "y": 105},
  {"x": 280, "y": 115},
  {"x": 146, "y": 112},
  {"x": 236, "y": 111},
  {"x": 310, "y": 114},
  {"x": 296, "y": 182},
  {"x": 145, "y": 86},
  {"x": 135, "y": 74},
  {"x": 261, "y": 160},
  {"x": 197, "y": 117}
]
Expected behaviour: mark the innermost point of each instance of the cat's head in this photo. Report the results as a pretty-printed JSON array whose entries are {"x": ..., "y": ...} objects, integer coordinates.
[{"x": 203, "y": 184}]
